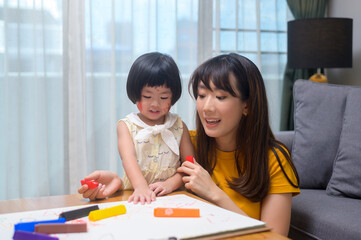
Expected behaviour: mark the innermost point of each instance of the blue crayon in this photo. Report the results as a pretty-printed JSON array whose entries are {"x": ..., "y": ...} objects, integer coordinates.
[
  {"x": 24, "y": 235},
  {"x": 30, "y": 226}
]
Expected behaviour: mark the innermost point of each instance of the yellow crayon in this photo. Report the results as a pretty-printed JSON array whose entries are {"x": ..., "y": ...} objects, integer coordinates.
[{"x": 100, "y": 214}]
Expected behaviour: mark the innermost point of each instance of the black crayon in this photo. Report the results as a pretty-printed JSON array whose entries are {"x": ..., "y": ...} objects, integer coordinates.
[{"x": 78, "y": 213}]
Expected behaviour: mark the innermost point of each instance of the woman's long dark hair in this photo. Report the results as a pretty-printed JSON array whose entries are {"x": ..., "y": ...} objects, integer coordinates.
[{"x": 254, "y": 137}]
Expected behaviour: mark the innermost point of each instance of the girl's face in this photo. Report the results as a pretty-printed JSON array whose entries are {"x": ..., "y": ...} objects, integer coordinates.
[
  {"x": 220, "y": 114},
  {"x": 154, "y": 104}
]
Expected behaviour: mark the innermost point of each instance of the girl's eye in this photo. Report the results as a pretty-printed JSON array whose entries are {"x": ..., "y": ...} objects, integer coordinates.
[
  {"x": 146, "y": 96},
  {"x": 221, "y": 97},
  {"x": 163, "y": 98}
]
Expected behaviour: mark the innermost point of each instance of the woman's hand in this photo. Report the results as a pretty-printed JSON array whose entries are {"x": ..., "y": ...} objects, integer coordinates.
[
  {"x": 198, "y": 180},
  {"x": 109, "y": 183}
]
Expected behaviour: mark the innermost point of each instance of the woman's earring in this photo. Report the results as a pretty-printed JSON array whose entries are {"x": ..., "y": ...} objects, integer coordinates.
[{"x": 245, "y": 114}]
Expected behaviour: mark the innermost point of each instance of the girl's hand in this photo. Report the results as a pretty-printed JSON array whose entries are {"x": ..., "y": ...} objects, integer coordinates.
[
  {"x": 198, "y": 180},
  {"x": 160, "y": 188},
  {"x": 109, "y": 183},
  {"x": 142, "y": 195}
]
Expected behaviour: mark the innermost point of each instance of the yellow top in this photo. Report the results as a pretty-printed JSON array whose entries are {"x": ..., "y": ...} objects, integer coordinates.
[{"x": 226, "y": 168}]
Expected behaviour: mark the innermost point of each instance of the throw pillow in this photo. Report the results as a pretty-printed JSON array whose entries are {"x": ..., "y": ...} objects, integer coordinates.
[
  {"x": 346, "y": 177},
  {"x": 318, "y": 116}
]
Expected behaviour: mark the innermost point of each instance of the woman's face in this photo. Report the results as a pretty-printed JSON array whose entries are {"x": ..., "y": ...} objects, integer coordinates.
[{"x": 220, "y": 113}]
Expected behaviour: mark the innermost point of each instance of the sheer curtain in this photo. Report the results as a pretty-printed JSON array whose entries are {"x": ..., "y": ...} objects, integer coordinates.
[
  {"x": 32, "y": 142},
  {"x": 63, "y": 71},
  {"x": 64, "y": 65}
]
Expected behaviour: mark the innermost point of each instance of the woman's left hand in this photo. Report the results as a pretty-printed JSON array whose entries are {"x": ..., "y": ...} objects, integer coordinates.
[{"x": 198, "y": 180}]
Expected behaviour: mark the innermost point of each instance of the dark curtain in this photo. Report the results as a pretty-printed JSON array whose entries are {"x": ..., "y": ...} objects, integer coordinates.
[{"x": 300, "y": 9}]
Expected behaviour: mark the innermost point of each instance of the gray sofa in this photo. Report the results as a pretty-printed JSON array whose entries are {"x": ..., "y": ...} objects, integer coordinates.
[{"x": 326, "y": 149}]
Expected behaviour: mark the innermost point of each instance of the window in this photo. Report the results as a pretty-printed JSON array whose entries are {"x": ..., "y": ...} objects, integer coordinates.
[{"x": 256, "y": 29}]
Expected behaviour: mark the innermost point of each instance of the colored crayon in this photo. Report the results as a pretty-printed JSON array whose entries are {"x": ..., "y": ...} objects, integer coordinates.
[
  {"x": 30, "y": 226},
  {"x": 107, "y": 213},
  {"x": 176, "y": 212},
  {"x": 91, "y": 183},
  {"x": 190, "y": 159},
  {"x": 24, "y": 235},
  {"x": 78, "y": 213},
  {"x": 61, "y": 227}
]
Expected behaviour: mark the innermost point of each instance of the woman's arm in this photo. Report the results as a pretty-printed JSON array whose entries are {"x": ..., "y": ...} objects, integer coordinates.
[
  {"x": 142, "y": 193},
  {"x": 198, "y": 180},
  {"x": 276, "y": 212}
]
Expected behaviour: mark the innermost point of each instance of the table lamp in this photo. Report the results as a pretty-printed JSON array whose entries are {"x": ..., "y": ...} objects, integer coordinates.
[{"x": 320, "y": 43}]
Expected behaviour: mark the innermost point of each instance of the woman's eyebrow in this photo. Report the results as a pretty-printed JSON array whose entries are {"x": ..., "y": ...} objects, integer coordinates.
[{"x": 202, "y": 86}]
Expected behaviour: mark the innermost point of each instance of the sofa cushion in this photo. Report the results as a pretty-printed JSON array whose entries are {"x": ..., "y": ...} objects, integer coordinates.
[
  {"x": 346, "y": 177},
  {"x": 316, "y": 215},
  {"x": 319, "y": 110}
]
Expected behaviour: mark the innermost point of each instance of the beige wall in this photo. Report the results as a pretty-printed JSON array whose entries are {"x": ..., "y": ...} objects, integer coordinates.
[{"x": 348, "y": 9}]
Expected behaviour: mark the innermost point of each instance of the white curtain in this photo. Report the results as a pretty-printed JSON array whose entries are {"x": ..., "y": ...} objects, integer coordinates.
[
  {"x": 63, "y": 70},
  {"x": 32, "y": 157},
  {"x": 64, "y": 66}
]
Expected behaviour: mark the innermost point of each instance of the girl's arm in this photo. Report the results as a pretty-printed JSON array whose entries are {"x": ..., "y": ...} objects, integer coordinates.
[
  {"x": 276, "y": 212},
  {"x": 142, "y": 192},
  {"x": 198, "y": 180},
  {"x": 175, "y": 182}
]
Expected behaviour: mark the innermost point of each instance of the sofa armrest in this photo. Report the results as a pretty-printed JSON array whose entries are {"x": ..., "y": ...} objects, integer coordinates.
[{"x": 285, "y": 137}]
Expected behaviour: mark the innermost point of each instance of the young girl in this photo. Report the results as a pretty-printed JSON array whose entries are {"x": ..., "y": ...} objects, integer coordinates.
[
  {"x": 239, "y": 164},
  {"x": 151, "y": 143}
]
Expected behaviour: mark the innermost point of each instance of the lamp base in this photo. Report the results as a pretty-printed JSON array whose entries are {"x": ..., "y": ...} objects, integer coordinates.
[{"x": 318, "y": 77}]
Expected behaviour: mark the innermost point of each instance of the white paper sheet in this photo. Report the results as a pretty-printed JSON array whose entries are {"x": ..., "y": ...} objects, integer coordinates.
[{"x": 140, "y": 223}]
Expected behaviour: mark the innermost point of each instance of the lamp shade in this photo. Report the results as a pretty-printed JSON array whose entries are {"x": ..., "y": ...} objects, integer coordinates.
[{"x": 320, "y": 43}]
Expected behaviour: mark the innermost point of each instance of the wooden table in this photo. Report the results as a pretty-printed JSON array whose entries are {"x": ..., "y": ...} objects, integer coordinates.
[{"x": 30, "y": 204}]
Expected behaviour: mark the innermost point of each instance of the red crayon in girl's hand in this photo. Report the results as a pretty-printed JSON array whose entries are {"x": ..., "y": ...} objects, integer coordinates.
[
  {"x": 190, "y": 159},
  {"x": 91, "y": 184}
]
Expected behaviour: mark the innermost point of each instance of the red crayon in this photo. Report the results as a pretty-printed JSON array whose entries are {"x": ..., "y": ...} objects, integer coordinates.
[
  {"x": 91, "y": 184},
  {"x": 190, "y": 159}
]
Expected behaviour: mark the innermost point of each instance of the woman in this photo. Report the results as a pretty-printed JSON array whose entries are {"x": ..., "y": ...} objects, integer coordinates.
[{"x": 239, "y": 166}]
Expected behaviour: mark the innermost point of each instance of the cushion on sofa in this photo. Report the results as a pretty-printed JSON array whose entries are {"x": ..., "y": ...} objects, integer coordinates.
[
  {"x": 346, "y": 177},
  {"x": 316, "y": 215},
  {"x": 319, "y": 110}
]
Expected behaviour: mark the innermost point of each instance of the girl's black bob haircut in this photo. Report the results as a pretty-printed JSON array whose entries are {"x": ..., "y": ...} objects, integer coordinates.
[{"x": 153, "y": 69}]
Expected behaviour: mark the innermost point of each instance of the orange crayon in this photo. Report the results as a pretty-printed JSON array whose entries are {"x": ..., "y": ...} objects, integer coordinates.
[{"x": 176, "y": 212}]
